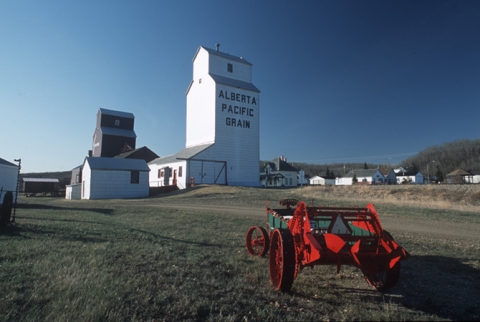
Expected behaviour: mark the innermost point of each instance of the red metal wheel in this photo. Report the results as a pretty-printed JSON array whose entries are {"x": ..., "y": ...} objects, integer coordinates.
[
  {"x": 281, "y": 260},
  {"x": 257, "y": 241}
]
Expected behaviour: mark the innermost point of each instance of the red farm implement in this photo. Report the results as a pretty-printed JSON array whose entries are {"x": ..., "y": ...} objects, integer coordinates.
[{"x": 305, "y": 236}]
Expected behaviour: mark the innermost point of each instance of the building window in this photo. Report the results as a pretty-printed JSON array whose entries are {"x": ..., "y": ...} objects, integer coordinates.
[
  {"x": 134, "y": 177},
  {"x": 171, "y": 171},
  {"x": 180, "y": 171},
  {"x": 160, "y": 173},
  {"x": 117, "y": 122},
  {"x": 230, "y": 68},
  {"x": 199, "y": 80}
]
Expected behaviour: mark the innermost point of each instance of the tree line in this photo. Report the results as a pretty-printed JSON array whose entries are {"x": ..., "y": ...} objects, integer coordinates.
[
  {"x": 460, "y": 154},
  {"x": 438, "y": 160}
]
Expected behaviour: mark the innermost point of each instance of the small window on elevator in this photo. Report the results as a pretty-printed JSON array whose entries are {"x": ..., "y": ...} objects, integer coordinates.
[{"x": 230, "y": 68}]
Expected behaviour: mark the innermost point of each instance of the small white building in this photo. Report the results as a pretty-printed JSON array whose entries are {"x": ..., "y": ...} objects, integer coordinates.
[
  {"x": 73, "y": 191},
  {"x": 114, "y": 178},
  {"x": 365, "y": 176},
  {"x": 8, "y": 189},
  {"x": 319, "y": 180},
  {"x": 178, "y": 169}
]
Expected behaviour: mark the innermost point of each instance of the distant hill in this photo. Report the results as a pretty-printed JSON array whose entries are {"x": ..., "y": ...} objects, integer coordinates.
[{"x": 464, "y": 154}]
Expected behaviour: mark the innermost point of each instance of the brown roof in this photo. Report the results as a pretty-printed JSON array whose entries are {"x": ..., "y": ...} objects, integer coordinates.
[{"x": 459, "y": 172}]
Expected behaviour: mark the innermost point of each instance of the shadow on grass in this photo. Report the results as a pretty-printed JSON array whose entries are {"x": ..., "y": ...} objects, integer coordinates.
[
  {"x": 439, "y": 286},
  {"x": 11, "y": 230},
  {"x": 104, "y": 211},
  {"x": 75, "y": 235}
]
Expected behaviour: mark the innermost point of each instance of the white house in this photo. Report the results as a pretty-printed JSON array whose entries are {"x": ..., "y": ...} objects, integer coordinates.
[
  {"x": 460, "y": 176},
  {"x": 8, "y": 189},
  {"x": 178, "y": 168},
  {"x": 366, "y": 176},
  {"x": 113, "y": 178},
  {"x": 279, "y": 173},
  {"x": 222, "y": 126},
  {"x": 319, "y": 180},
  {"x": 408, "y": 176}
]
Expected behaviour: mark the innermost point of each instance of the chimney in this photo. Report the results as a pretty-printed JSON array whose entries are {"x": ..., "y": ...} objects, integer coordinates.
[{"x": 217, "y": 46}]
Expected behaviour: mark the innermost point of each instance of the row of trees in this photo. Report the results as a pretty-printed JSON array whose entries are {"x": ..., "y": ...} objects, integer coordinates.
[
  {"x": 460, "y": 154},
  {"x": 436, "y": 161}
]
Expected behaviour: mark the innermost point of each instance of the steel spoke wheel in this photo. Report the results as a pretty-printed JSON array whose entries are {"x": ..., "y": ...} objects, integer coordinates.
[
  {"x": 281, "y": 260},
  {"x": 257, "y": 241}
]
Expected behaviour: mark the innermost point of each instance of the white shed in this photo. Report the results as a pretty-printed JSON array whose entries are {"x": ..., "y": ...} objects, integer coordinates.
[
  {"x": 113, "y": 178},
  {"x": 73, "y": 191},
  {"x": 318, "y": 180},
  {"x": 8, "y": 188}
]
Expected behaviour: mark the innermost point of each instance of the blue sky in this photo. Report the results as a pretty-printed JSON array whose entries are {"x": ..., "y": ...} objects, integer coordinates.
[{"x": 340, "y": 81}]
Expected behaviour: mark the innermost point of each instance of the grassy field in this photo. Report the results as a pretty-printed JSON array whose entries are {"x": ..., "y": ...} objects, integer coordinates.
[{"x": 149, "y": 260}]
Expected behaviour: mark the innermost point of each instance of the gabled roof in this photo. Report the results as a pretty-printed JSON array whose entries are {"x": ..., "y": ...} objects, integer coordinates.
[
  {"x": 185, "y": 154},
  {"x": 385, "y": 171},
  {"x": 459, "y": 172},
  {"x": 279, "y": 165},
  {"x": 5, "y": 162},
  {"x": 140, "y": 153},
  {"x": 223, "y": 55},
  {"x": 116, "y": 113},
  {"x": 361, "y": 173},
  {"x": 100, "y": 163},
  {"x": 234, "y": 83}
]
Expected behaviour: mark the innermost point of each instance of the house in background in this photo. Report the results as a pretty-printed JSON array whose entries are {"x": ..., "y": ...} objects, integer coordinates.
[
  {"x": 365, "y": 176},
  {"x": 461, "y": 176},
  {"x": 278, "y": 173},
  {"x": 114, "y": 178},
  {"x": 389, "y": 175},
  {"x": 405, "y": 176},
  {"x": 322, "y": 179}
]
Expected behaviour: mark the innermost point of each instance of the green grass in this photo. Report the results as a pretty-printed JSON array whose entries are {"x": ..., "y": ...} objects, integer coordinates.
[{"x": 116, "y": 261}]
